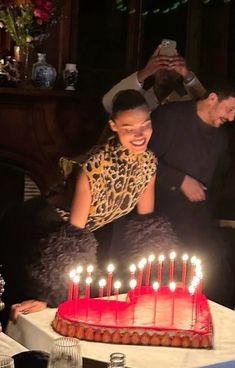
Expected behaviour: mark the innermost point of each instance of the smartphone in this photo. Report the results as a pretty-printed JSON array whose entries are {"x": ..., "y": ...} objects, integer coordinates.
[{"x": 168, "y": 48}]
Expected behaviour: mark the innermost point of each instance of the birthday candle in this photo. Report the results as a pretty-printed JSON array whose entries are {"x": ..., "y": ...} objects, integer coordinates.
[
  {"x": 116, "y": 286},
  {"x": 171, "y": 267},
  {"x": 133, "y": 284},
  {"x": 159, "y": 268},
  {"x": 132, "y": 271},
  {"x": 184, "y": 269},
  {"x": 141, "y": 265},
  {"x": 102, "y": 284},
  {"x": 88, "y": 287},
  {"x": 76, "y": 281},
  {"x": 110, "y": 270},
  {"x": 155, "y": 288},
  {"x": 172, "y": 287},
  {"x": 193, "y": 266},
  {"x": 192, "y": 291},
  {"x": 148, "y": 269},
  {"x": 70, "y": 291}
]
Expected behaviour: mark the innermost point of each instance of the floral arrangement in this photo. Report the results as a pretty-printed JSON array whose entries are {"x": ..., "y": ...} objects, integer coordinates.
[{"x": 28, "y": 21}]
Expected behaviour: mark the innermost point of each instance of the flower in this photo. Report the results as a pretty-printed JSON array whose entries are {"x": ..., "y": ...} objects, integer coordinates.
[{"x": 28, "y": 21}]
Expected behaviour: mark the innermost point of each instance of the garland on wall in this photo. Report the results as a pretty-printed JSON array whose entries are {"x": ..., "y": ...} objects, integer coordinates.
[{"x": 158, "y": 6}]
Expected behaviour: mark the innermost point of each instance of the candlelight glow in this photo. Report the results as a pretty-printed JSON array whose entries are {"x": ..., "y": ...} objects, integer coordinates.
[
  {"x": 72, "y": 274},
  {"x": 110, "y": 268},
  {"x": 132, "y": 268},
  {"x": 142, "y": 263},
  {"x": 102, "y": 283},
  {"x": 172, "y": 255},
  {"x": 161, "y": 258},
  {"x": 156, "y": 285},
  {"x": 90, "y": 269},
  {"x": 133, "y": 284},
  {"x": 151, "y": 258},
  {"x": 79, "y": 269},
  {"x": 185, "y": 257},
  {"x": 88, "y": 280},
  {"x": 117, "y": 285},
  {"x": 76, "y": 279},
  {"x": 191, "y": 289},
  {"x": 194, "y": 260},
  {"x": 195, "y": 281},
  {"x": 172, "y": 286}
]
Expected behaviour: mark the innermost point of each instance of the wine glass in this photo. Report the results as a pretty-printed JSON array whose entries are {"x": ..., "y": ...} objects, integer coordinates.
[
  {"x": 6, "y": 361},
  {"x": 65, "y": 353}
]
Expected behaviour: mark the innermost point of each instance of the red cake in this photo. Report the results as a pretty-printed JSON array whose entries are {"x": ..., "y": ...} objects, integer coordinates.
[{"x": 168, "y": 316}]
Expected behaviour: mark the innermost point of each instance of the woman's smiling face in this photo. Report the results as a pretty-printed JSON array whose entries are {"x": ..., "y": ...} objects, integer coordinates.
[{"x": 134, "y": 128}]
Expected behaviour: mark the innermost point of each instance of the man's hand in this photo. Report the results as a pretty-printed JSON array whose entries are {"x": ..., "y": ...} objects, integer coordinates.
[
  {"x": 178, "y": 64},
  {"x": 193, "y": 189},
  {"x": 155, "y": 63},
  {"x": 27, "y": 306}
]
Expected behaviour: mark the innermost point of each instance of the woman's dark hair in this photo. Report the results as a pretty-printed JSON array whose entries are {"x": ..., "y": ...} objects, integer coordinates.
[{"x": 126, "y": 100}]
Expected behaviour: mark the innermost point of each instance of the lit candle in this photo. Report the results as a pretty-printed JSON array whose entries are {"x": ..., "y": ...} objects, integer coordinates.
[
  {"x": 159, "y": 268},
  {"x": 132, "y": 271},
  {"x": 116, "y": 286},
  {"x": 72, "y": 274},
  {"x": 155, "y": 288},
  {"x": 133, "y": 284},
  {"x": 192, "y": 291},
  {"x": 193, "y": 266},
  {"x": 172, "y": 287},
  {"x": 184, "y": 269},
  {"x": 102, "y": 284},
  {"x": 88, "y": 287},
  {"x": 90, "y": 269},
  {"x": 141, "y": 265},
  {"x": 110, "y": 270},
  {"x": 148, "y": 269},
  {"x": 76, "y": 281},
  {"x": 171, "y": 267}
]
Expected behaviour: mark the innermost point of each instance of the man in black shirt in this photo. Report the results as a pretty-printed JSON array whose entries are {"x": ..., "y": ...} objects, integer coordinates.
[{"x": 191, "y": 147}]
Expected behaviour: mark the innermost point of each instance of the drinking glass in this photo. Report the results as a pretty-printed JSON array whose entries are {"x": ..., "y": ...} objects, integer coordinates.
[
  {"x": 6, "y": 361},
  {"x": 65, "y": 353}
]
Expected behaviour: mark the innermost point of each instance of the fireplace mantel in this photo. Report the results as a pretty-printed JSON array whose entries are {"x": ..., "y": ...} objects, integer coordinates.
[{"x": 37, "y": 127}]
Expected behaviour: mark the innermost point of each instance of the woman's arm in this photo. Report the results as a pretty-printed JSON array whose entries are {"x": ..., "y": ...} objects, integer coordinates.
[
  {"x": 81, "y": 202},
  {"x": 145, "y": 204}
]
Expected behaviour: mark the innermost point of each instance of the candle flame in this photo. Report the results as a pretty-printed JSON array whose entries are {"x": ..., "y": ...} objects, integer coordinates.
[
  {"x": 79, "y": 269},
  {"x": 88, "y": 280},
  {"x": 172, "y": 255},
  {"x": 102, "y": 283},
  {"x": 133, "y": 283},
  {"x": 156, "y": 285},
  {"x": 172, "y": 286},
  {"x": 191, "y": 289},
  {"x": 110, "y": 268},
  {"x": 185, "y": 257},
  {"x": 117, "y": 285},
  {"x": 142, "y": 263},
  {"x": 132, "y": 268},
  {"x": 151, "y": 258},
  {"x": 72, "y": 273},
  {"x": 161, "y": 258},
  {"x": 76, "y": 279},
  {"x": 90, "y": 269},
  {"x": 194, "y": 260}
]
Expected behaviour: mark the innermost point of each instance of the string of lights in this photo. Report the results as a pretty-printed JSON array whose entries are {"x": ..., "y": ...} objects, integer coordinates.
[{"x": 158, "y": 6}]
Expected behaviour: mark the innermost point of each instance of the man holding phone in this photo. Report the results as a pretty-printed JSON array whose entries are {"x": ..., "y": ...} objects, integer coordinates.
[{"x": 173, "y": 81}]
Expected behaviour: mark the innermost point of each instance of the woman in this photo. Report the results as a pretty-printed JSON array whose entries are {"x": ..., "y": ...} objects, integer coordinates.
[{"x": 115, "y": 178}]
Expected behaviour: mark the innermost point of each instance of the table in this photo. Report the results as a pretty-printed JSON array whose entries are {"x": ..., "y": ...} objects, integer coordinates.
[
  {"x": 35, "y": 332},
  {"x": 9, "y": 346}
]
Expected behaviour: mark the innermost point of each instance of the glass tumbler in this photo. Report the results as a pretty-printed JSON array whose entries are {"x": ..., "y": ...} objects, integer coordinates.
[
  {"x": 65, "y": 353},
  {"x": 6, "y": 361}
]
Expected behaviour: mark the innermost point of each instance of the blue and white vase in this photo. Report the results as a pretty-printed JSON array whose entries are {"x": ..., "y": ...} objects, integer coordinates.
[{"x": 43, "y": 74}]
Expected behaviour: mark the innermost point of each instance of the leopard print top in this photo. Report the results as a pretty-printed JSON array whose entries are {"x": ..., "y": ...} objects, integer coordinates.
[{"x": 117, "y": 178}]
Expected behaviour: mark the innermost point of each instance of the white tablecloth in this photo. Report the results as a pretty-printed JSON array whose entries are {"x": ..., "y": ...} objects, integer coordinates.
[
  {"x": 9, "y": 346},
  {"x": 34, "y": 331}
]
